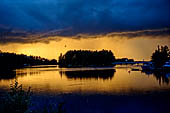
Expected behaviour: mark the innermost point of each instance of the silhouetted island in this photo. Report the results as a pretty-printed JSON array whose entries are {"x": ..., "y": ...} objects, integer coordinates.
[{"x": 86, "y": 58}]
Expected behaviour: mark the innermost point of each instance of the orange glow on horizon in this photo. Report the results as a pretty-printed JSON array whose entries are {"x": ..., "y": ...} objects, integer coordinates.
[{"x": 136, "y": 48}]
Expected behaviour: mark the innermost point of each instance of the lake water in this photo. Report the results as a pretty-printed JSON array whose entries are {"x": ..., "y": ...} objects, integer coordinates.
[{"x": 118, "y": 80}]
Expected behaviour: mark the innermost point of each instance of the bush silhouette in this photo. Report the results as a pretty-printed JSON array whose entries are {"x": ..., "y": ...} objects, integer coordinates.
[{"x": 17, "y": 100}]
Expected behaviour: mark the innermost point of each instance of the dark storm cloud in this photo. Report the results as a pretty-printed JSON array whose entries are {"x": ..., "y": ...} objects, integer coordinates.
[
  {"x": 11, "y": 36},
  {"x": 17, "y": 36},
  {"x": 81, "y": 16}
]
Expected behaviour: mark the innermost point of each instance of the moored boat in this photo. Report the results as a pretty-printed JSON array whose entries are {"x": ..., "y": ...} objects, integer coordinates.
[
  {"x": 167, "y": 65},
  {"x": 148, "y": 66}
]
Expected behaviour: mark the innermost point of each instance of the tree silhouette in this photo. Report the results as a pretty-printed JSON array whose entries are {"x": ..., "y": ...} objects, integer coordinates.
[
  {"x": 160, "y": 56},
  {"x": 79, "y": 58},
  {"x": 10, "y": 61}
]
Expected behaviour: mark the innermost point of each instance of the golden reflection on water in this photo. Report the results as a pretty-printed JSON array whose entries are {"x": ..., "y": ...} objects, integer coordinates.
[
  {"x": 50, "y": 80},
  {"x": 137, "y": 48}
]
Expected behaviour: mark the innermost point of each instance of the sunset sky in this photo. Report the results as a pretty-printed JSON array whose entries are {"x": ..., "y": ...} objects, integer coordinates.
[{"x": 130, "y": 28}]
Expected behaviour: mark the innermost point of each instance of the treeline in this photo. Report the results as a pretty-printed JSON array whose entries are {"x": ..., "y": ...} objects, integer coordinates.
[
  {"x": 82, "y": 58},
  {"x": 10, "y": 61}
]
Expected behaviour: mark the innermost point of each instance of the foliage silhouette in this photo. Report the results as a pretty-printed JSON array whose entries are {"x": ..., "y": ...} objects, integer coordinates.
[
  {"x": 17, "y": 100},
  {"x": 10, "y": 61},
  {"x": 160, "y": 56},
  {"x": 82, "y": 58}
]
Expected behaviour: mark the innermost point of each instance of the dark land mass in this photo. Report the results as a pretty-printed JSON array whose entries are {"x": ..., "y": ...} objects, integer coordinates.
[
  {"x": 10, "y": 61},
  {"x": 86, "y": 58}
]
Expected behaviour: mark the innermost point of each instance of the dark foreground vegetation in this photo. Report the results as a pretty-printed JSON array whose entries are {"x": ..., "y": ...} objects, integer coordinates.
[
  {"x": 83, "y": 58},
  {"x": 10, "y": 61},
  {"x": 18, "y": 100}
]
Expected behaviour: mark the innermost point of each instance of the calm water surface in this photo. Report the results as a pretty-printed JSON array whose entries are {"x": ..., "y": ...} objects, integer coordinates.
[{"x": 120, "y": 79}]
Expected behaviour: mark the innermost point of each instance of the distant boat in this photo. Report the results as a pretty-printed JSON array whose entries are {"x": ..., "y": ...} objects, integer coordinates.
[{"x": 148, "y": 66}]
